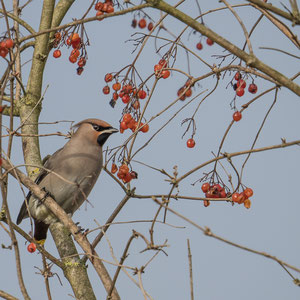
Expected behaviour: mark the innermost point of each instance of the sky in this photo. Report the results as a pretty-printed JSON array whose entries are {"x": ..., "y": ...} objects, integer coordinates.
[{"x": 220, "y": 271}]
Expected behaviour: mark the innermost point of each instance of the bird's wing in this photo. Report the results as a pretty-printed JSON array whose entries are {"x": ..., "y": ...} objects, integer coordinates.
[{"x": 48, "y": 164}]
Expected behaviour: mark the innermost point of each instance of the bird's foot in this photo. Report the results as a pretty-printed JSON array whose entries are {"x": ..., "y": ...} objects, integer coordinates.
[{"x": 47, "y": 194}]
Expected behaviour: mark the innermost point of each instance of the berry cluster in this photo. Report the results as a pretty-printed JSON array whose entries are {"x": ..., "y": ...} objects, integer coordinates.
[
  {"x": 213, "y": 191},
  {"x": 209, "y": 42},
  {"x": 243, "y": 197},
  {"x": 160, "y": 69},
  {"x": 128, "y": 122},
  {"x": 142, "y": 23},
  {"x": 75, "y": 41},
  {"x": 124, "y": 173},
  {"x": 240, "y": 85},
  {"x": 185, "y": 91},
  {"x": 5, "y": 45},
  {"x": 104, "y": 7}
]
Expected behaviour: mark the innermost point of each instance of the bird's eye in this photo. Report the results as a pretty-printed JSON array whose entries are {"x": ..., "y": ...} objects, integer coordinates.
[{"x": 96, "y": 127}]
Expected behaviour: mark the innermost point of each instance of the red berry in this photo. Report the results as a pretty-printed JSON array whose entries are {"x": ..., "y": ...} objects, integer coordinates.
[
  {"x": 115, "y": 96},
  {"x": 237, "y": 76},
  {"x": 199, "y": 46},
  {"x": 188, "y": 93},
  {"x": 240, "y": 91},
  {"x": 72, "y": 59},
  {"x": 163, "y": 63},
  {"x": 206, "y": 203},
  {"x": 142, "y": 23},
  {"x": 106, "y": 90},
  {"x": 145, "y": 128},
  {"x": 248, "y": 192},
  {"x": 209, "y": 42},
  {"x": 150, "y": 26},
  {"x": 9, "y": 43},
  {"x": 3, "y": 52},
  {"x": 56, "y": 53},
  {"x": 110, "y": 9},
  {"x": 190, "y": 143},
  {"x": 241, "y": 83},
  {"x": 217, "y": 188},
  {"x": 252, "y": 88},
  {"x": 114, "y": 168},
  {"x": 31, "y": 247},
  {"x": 75, "y": 52},
  {"x": 126, "y": 98},
  {"x": 237, "y": 116},
  {"x": 75, "y": 38},
  {"x": 247, "y": 203},
  {"x": 116, "y": 86},
  {"x": 127, "y": 118},
  {"x": 222, "y": 194},
  {"x": 142, "y": 94},
  {"x": 123, "y": 125},
  {"x": 108, "y": 77},
  {"x": 81, "y": 62},
  {"x": 157, "y": 68},
  {"x": 98, "y": 6},
  {"x": 136, "y": 104},
  {"x": 205, "y": 187},
  {"x": 235, "y": 197},
  {"x": 181, "y": 94},
  {"x": 165, "y": 74}
]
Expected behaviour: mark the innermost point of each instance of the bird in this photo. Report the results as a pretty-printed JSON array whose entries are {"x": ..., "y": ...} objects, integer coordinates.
[{"x": 68, "y": 175}]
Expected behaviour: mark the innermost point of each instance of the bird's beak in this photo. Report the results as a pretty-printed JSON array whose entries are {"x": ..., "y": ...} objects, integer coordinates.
[{"x": 110, "y": 130}]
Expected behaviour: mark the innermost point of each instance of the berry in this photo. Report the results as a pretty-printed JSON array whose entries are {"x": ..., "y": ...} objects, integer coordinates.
[
  {"x": 133, "y": 23},
  {"x": 235, "y": 197},
  {"x": 209, "y": 42},
  {"x": 75, "y": 53},
  {"x": 31, "y": 247},
  {"x": 163, "y": 63},
  {"x": 75, "y": 38},
  {"x": 240, "y": 91},
  {"x": 116, "y": 86},
  {"x": 106, "y": 90},
  {"x": 123, "y": 125},
  {"x": 127, "y": 118},
  {"x": 248, "y": 192},
  {"x": 199, "y": 46},
  {"x": 81, "y": 62},
  {"x": 108, "y": 77},
  {"x": 110, "y": 9},
  {"x": 165, "y": 74},
  {"x": 190, "y": 143},
  {"x": 205, "y": 187},
  {"x": 99, "y": 14},
  {"x": 237, "y": 76},
  {"x": 72, "y": 59},
  {"x": 241, "y": 83},
  {"x": 3, "y": 52},
  {"x": 206, "y": 203},
  {"x": 150, "y": 26},
  {"x": 247, "y": 203},
  {"x": 115, "y": 96},
  {"x": 9, "y": 43},
  {"x": 136, "y": 104},
  {"x": 181, "y": 94},
  {"x": 133, "y": 175},
  {"x": 57, "y": 54},
  {"x": 188, "y": 93},
  {"x": 237, "y": 116},
  {"x": 157, "y": 68},
  {"x": 126, "y": 98},
  {"x": 79, "y": 70},
  {"x": 114, "y": 168},
  {"x": 145, "y": 128},
  {"x": 99, "y": 6},
  {"x": 142, "y": 94},
  {"x": 142, "y": 23},
  {"x": 222, "y": 193},
  {"x": 217, "y": 188},
  {"x": 252, "y": 88}
]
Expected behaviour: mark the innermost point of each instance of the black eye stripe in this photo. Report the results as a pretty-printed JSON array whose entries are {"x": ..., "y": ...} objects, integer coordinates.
[{"x": 100, "y": 128}]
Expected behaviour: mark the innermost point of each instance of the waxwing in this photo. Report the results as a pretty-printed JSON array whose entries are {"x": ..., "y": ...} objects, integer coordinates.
[{"x": 69, "y": 174}]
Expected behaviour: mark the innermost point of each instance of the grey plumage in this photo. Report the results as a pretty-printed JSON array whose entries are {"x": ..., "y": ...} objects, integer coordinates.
[{"x": 69, "y": 174}]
